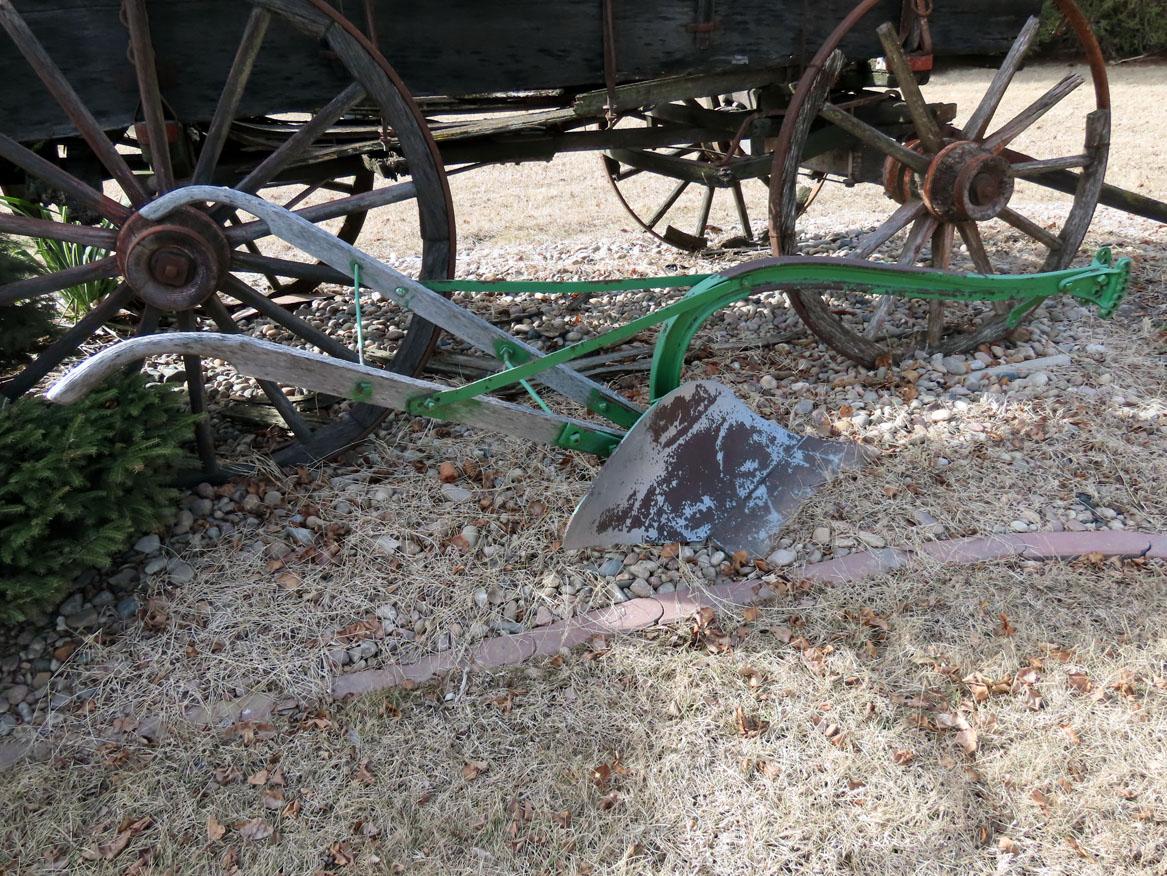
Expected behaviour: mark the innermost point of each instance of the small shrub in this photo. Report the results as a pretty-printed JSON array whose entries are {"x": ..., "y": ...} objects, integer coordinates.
[
  {"x": 78, "y": 482},
  {"x": 25, "y": 325},
  {"x": 1125, "y": 28}
]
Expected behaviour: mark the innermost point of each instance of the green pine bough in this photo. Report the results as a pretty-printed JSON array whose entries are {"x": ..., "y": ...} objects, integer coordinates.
[
  {"x": 1103, "y": 284},
  {"x": 78, "y": 483}
]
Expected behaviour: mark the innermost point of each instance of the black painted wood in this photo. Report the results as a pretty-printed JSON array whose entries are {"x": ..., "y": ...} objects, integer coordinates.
[{"x": 447, "y": 47}]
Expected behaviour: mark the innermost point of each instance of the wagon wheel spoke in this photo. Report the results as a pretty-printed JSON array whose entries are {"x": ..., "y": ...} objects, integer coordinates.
[
  {"x": 383, "y": 197},
  {"x": 922, "y": 230},
  {"x": 145, "y": 66},
  {"x": 228, "y": 105},
  {"x": 941, "y": 259},
  {"x": 874, "y": 137},
  {"x": 196, "y": 388},
  {"x": 979, "y": 121},
  {"x": 870, "y": 243},
  {"x": 1030, "y": 169},
  {"x": 274, "y": 266},
  {"x": 1031, "y": 229},
  {"x": 47, "y": 229},
  {"x": 1028, "y": 116},
  {"x": 275, "y": 395},
  {"x": 305, "y": 136},
  {"x": 297, "y": 199},
  {"x": 703, "y": 216},
  {"x": 926, "y": 127},
  {"x": 237, "y": 289},
  {"x": 664, "y": 208},
  {"x": 970, "y": 233},
  {"x": 58, "y": 86},
  {"x": 82, "y": 193},
  {"x": 743, "y": 215},
  {"x": 34, "y": 287},
  {"x": 67, "y": 343}
]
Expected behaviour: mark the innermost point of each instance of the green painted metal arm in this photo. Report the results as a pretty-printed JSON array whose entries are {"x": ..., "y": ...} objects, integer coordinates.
[{"x": 1103, "y": 284}]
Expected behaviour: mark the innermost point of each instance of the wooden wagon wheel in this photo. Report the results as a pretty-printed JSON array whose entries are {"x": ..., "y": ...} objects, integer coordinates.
[
  {"x": 185, "y": 271},
  {"x": 660, "y": 202},
  {"x": 948, "y": 183}
]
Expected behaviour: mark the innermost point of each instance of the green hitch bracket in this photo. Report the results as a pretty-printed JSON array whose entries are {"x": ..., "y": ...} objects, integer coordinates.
[
  {"x": 362, "y": 391},
  {"x": 574, "y": 437},
  {"x": 1103, "y": 284}
]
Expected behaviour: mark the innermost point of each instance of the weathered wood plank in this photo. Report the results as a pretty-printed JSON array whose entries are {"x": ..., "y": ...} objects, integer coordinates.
[
  {"x": 263, "y": 360},
  {"x": 451, "y": 47}
]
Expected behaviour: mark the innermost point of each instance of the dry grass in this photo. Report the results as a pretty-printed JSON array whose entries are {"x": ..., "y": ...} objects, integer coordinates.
[{"x": 501, "y": 777}]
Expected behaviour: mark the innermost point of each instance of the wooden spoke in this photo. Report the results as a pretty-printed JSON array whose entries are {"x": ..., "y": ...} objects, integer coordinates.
[
  {"x": 1030, "y": 228},
  {"x": 703, "y": 216},
  {"x": 921, "y": 231},
  {"x": 47, "y": 229},
  {"x": 370, "y": 200},
  {"x": 148, "y": 324},
  {"x": 978, "y": 123},
  {"x": 236, "y": 288},
  {"x": 34, "y": 287},
  {"x": 58, "y": 86},
  {"x": 893, "y": 225},
  {"x": 668, "y": 204},
  {"x": 875, "y": 138},
  {"x": 970, "y": 233},
  {"x": 298, "y": 199},
  {"x": 941, "y": 258},
  {"x": 228, "y": 106},
  {"x": 1027, "y": 169},
  {"x": 45, "y": 170},
  {"x": 743, "y": 215},
  {"x": 142, "y": 47},
  {"x": 305, "y": 136},
  {"x": 196, "y": 389},
  {"x": 926, "y": 128},
  {"x": 275, "y": 395},
  {"x": 1026, "y": 118},
  {"x": 272, "y": 266},
  {"x": 77, "y": 334}
]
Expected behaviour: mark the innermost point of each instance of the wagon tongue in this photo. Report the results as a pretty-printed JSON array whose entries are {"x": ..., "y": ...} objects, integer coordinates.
[{"x": 701, "y": 465}]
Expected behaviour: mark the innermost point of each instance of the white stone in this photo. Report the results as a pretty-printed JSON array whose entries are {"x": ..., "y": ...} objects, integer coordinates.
[
  {"x": 781, "y": 557},
  {"x": 387, "y": 544},
  {"x": 456, "y": 494}
]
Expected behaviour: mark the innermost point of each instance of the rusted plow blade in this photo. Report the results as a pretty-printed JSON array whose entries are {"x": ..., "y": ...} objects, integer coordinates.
[{"x": 700, "y": 465}]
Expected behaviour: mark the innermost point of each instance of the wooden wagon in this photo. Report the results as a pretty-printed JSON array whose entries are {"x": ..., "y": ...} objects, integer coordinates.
[{"x": 341, "y": 110}]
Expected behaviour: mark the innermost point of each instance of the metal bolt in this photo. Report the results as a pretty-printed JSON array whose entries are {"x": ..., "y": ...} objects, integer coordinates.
[
  {"x": 574, "y": 438},
  {"x": 171, "y": 266}
]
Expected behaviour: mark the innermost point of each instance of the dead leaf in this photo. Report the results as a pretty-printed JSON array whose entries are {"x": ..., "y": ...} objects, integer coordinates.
[
  {"x": 1040, "y": 799},
  {"x": 215, "y": 830},
  {"x": 447, "y": 473},
  {"x": 273, "y": 798},
  {"x": 903, "y": 756},
  {"x": 289, "y": 581},
  {"x": 967, "y": 740},
  {"x": 750, "y": 614},
  {"x": 255, "y": 830},
  {"x": 341, "y": 854},
  {"x": 609, "y": 800},
  {"x": 1080, "y": 682},
  {"x": 601, "y": 775},
  {"x": 749, "y": 726},
  {"x": 473, "y": 769},
  {"x": 1008, "y": 846},
  {"x": 365, "y": 777},
  {"x": 1071, "y": 734},
  {"x": 227, "y": 775},
  {"x": 1007, "y": 629},
  {"x": 258, "y": 778},
  {"x": 562, "y": 818}
]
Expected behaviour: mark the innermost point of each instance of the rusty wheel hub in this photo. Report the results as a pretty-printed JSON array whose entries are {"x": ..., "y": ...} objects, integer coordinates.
[
  {"x": 177, "y": 264},
  {"x": 965, "y": 183}
]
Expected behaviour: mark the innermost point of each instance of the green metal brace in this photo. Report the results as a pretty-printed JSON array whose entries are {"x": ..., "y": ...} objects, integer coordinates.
[{"x": 1102, "y": 284}]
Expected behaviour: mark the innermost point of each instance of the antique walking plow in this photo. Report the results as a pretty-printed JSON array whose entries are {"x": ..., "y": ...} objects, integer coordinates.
[{"x": 696, "y": 465}]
